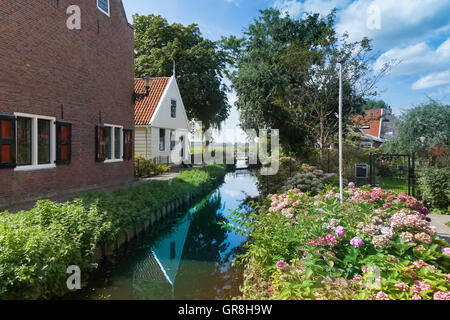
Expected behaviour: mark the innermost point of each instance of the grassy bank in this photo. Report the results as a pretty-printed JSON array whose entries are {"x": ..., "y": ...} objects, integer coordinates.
[{"x": 38, "y": 245}]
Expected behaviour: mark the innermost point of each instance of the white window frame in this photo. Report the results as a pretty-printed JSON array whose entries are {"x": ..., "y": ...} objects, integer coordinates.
[
  {"x": 109, "y": 8},
  {"x": 113, "y": 145},
  {"x": 365, "y": 145},
  {"x": 34, "y": 143}
]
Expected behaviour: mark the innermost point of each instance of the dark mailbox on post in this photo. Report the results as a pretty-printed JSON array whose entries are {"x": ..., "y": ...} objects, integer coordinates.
[{"x": 361, "y": 171}]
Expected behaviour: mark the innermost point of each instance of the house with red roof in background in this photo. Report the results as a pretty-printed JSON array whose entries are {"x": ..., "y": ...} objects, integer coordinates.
[
  {"x": 161, "y": 123},
  {"x": 376, "y": 125}
]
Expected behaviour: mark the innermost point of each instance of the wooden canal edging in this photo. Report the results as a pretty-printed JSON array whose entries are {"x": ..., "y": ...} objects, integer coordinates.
[{"x": 104, "y": 250}]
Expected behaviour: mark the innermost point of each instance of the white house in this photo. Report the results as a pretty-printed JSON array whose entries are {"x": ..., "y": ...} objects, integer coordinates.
[{"x": 161, "y": 123}]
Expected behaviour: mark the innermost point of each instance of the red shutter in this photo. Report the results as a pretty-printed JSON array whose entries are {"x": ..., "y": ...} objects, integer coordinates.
[
  {"x": 63, "y": 142},
  {"x": 7, "y": 141},
  {"x": 127, "y": 144},
  {"x": 100, "y": 143}
]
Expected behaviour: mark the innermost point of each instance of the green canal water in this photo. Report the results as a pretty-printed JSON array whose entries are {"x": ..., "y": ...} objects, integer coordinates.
[{"x": 188, "y": 257}]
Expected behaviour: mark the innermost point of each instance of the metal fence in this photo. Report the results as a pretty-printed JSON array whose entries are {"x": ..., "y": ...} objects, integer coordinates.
[{"x": 393, "y": 172}]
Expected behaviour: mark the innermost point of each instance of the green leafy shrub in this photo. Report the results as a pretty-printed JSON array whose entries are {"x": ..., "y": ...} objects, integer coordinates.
[
  {"x": 434, "y": 186},
  {"x": 144, "y": 167},
  {"x": 162, "y": 169},
  {"x": 38, "y": 245},
  {"x": 312, "y": 182}
]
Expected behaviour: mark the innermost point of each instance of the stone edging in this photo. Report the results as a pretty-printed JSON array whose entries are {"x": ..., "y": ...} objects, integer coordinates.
[{"x": 103, "y": 251}]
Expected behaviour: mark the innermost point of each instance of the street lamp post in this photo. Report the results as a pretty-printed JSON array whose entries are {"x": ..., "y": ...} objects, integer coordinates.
[{"x": 341, "y": 180}]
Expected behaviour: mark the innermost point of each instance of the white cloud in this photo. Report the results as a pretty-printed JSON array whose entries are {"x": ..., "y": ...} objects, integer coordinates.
[
  {"x": 420, "y": 59},
  {"x": 416, "y": 58},
  {"x": 297, "y": 8},
  {"x": 291, "y": 7},
  {"x": 402, "y": 21},
  {"x": 432, "y": 80}
]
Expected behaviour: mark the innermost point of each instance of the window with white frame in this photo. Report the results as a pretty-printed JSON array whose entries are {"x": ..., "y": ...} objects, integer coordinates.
[
  {"x": 173, "y": 108},
  {"x": 366, "y": 145},
  {"x": 113, "y": 143},
  {"x": 103, "y": 6},
  {"x": 35, "y": 143}
]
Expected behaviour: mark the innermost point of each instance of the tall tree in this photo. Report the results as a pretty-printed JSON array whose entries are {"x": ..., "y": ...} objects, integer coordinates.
[
  {"x": 374, "y": 104},
  {"x": 423, "y": 129},
  {"x": 287, "y": 77},
  {"x": 200, "y": 65}
]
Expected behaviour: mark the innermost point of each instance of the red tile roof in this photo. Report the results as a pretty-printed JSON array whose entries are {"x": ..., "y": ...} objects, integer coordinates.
[
  {"x": 371, "y": 118},
  {"x": 145, "y": 107}
]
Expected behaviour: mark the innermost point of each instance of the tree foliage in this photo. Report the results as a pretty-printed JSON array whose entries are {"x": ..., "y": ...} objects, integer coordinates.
[
  {"x": 374, "y": 104},
  {"x": 422, "y": 129},
  {"x": 200, "y": 65},
  {"x": 286, "y": 77}
]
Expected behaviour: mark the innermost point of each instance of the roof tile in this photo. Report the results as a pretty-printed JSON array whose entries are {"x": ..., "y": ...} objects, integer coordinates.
[
  {"x": 145, "y": 107},
  {"x": 371, "y": 118}
]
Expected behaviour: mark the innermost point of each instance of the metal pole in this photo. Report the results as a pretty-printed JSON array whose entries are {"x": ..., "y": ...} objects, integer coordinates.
[
  {"x": 413, "y": 174},
  {"x": 341, "y": 180},
  {"x": 409, "y": 175}
]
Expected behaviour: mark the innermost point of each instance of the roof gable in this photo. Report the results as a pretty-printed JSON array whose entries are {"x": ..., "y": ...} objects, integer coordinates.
[
  {"x": 145, "y": 107},
  {"x": 372, "y": 119}
]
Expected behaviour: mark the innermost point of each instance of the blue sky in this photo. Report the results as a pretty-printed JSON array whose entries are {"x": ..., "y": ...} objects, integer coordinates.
[{"x": 415, "y": 32}]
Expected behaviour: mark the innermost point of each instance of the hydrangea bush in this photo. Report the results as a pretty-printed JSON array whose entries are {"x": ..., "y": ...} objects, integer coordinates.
[
  {"x": 379, "y": 245},
  {"x": 313, "y": 181}
]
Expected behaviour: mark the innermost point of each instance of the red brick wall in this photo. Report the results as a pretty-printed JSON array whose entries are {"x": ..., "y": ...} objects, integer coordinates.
[{"x": 43, "y": 64}]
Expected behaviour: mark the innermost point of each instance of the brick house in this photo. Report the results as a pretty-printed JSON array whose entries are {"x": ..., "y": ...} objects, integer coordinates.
[{"x": 66, "y": 108}]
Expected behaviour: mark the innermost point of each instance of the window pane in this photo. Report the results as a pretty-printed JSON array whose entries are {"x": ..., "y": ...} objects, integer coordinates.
[
  {"x": 117, "y": 139},
  {"x": 104, "y": 5},
  {"x": 24, "y": 141},
  {"x": 162, "y": 139},
  {"x": 172, "y": 140},
  {"x": 108, "y": 143},
  {"x": 173, "y": 111},
  {"x": 43, "y": 141}
]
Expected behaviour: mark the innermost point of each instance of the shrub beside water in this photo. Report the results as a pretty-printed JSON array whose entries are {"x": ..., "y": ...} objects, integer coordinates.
[
  {"x": 378, "y": 245},
  {"x": 37, "y": 246}
]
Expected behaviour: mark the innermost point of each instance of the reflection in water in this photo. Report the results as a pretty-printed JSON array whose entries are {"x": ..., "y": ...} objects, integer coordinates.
[{"x": 189, "y": 258}]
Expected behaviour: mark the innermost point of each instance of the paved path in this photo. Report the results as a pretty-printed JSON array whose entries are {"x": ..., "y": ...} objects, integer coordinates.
[{"x": 439, "y": 222}]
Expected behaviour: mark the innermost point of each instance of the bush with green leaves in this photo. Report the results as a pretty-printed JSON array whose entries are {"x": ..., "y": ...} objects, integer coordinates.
[
  {"x": 377, "y": 245},
  {"x": 434, "y": 186},
  {"x": 312, "y": 182},
  {"x": 37, "y": 246},
  {"x": 144, "y": 167}
]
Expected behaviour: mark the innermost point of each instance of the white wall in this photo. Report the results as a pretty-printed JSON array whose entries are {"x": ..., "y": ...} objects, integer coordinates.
[{"x": 162, "y": 118}]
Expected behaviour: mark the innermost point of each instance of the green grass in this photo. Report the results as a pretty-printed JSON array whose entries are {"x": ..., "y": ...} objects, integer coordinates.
[
  {"x": 395, "y": 184},
  {"x": 447, "y": 224}
]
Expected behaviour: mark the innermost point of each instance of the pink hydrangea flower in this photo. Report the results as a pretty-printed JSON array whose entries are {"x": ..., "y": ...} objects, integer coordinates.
[
  {"x": 351, "y": 184},
  {"x": 331, "y": 241},
  {"x": 446, "y": 251},
  {"x": 381, "y": 296},
  {"x": 402, "y": 286},
  {"x": 356, "y": 242},
  {"x": 282, "y": 265},
  {"x": 340, "y": 231},
  {"x": 441, "y": 295}
]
